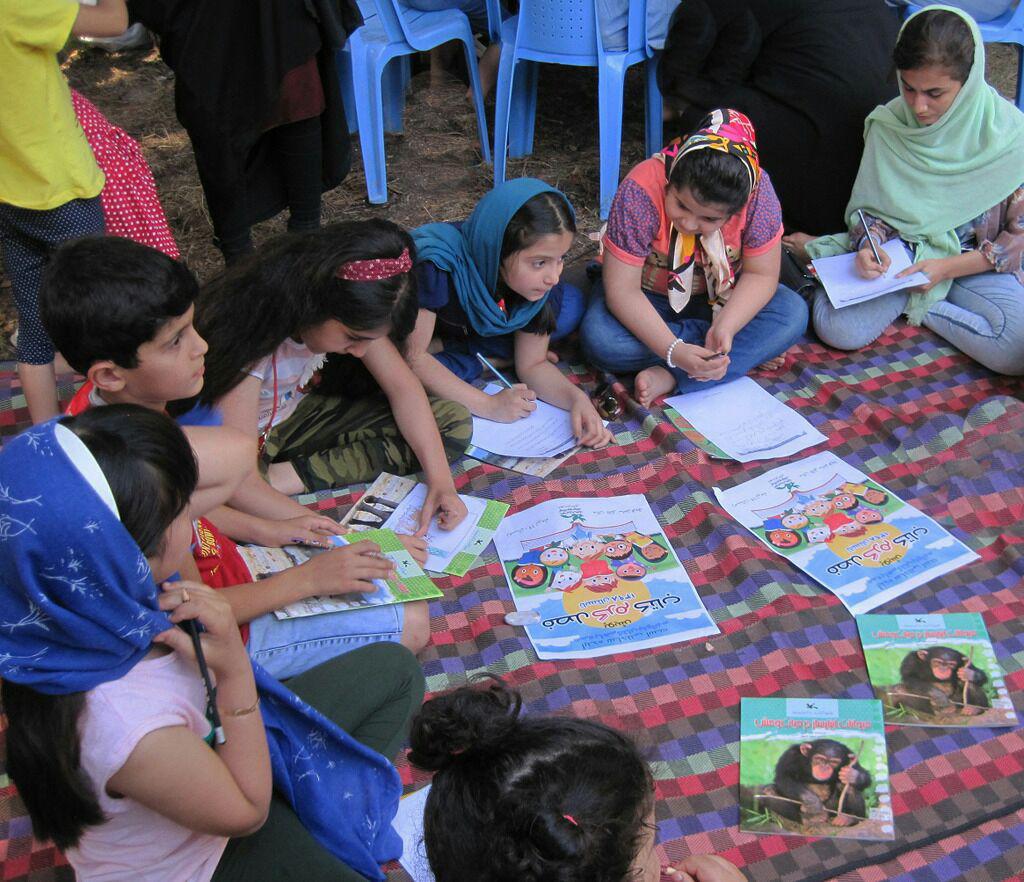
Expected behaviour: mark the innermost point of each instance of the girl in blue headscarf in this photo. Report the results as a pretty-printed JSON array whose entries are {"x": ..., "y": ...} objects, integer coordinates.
[
  {"x": 491, "y": 286},
  {"x": 112, "y": 738}
]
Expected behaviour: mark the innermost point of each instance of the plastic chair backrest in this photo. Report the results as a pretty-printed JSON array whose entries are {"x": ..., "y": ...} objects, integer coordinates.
[
  {"x": 390, "y": 16},
  {"x": 560, "y": 27}
]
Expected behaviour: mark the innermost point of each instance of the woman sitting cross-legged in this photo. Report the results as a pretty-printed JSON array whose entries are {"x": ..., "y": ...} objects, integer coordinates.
[
  {"x": 943, "y": 169},
  {"x": 691, "y": 291}
]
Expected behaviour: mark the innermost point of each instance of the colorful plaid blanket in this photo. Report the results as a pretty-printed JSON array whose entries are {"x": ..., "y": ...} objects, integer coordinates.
[{"x": 943, "y": 433}]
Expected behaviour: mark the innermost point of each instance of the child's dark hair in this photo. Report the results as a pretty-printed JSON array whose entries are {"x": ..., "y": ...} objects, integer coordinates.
[
  {"x": 149, "y": 466},
  {"x": 527, "y": 799},
  {"x": 292, "y": 285},
  {"x": 102, "y": 297},
  {"x": 936, "y": 38},
  {"x": 545, "y": 214},
  {"x": 713, "y": 177}
]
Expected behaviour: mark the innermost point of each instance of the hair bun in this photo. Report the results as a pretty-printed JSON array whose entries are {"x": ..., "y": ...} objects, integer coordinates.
[{"x": 461, "y": 722}]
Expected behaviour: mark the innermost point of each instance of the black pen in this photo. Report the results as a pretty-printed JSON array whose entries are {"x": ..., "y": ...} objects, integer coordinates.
[
  {"x": 713, "y": 357},
  {"x": 211, "y": 691},
  {"x": 871, "y": 242}
]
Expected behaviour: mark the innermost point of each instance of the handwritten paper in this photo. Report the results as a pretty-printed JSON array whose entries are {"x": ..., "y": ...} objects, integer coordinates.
[
  {"x": 408, "y": 825},
  {"x": 545, "y": 432},
  {"x": 745, "y": 421},
  {"x": 450, "y": 551},
  {"x": 845, "y": 286}
]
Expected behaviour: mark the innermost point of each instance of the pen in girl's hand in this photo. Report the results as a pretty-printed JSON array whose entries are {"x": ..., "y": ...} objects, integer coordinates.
[
  {"x": 713, "y": 357},
  {"x": 192, "y": 629},
  {"x": 871, "y": 241},
  {"x": 494, "y": 371}
]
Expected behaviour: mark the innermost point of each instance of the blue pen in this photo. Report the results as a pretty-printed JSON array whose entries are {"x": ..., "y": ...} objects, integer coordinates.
[{"x": 494, "y": 370}]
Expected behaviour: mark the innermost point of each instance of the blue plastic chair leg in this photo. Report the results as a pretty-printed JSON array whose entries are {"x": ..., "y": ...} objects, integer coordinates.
[
  {"x": 502, "y": 109},
  {"x": 1020, "y": 77},
  {"x": 393, "y": 85},
  {"x": 610, "y": 82},
  {"x": 371, "y": 134},
  {"x": 523, "y": 114},
  {"x": 653, "y": 129},
  {"x": 478, "y": 101}
]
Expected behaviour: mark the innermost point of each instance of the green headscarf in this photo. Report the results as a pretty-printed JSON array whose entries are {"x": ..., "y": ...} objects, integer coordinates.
[
  {"x": 472, "y": 254},
  {"x": 925, "y": 181}
]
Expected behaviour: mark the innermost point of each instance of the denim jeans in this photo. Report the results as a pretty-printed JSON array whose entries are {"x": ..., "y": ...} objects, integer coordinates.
[
  {"x": 607, "y": 343},
  {"x": 459, "y": 355},
  {"x": 982, "y": 316},
  {"x": 289, "y": 647}
]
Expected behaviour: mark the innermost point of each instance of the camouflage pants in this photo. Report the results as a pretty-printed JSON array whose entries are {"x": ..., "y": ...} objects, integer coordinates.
[{"x": 334, "y": 441}]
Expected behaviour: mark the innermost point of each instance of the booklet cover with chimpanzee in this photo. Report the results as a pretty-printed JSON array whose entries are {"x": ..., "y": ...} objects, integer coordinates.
[
  {"x": 935, "y": 670},
  {"x": 814, "y": 767}
]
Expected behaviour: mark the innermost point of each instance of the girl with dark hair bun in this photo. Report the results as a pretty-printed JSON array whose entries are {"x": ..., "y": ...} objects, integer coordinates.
[
  {"x": 490, "y": 286},
  {"x": 690, "y": 291},
  {"x": 537, "y": 799},
  {"x": 270, "y": 322},
  {"x": 943, "y": 170}
]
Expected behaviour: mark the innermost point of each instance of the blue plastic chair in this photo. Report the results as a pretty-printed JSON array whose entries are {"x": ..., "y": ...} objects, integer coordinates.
[
  {"x": 1008, "y": 28},
  {"x": 374, "y": 72},
  {"x": 566, "y": 32}
]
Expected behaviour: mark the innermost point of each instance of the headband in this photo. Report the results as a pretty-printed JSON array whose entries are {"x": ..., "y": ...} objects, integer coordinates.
[
  {"x": 376, "y": 269},
  {"x": 727, "y": 131}
]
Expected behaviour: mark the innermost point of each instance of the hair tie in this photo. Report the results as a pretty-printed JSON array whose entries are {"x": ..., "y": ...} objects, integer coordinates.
[
  {"x": 571, "y": 820},
  {"x": 376, "y": 269}
]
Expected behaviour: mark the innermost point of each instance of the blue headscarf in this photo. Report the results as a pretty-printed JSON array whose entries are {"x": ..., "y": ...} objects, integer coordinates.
[
  {"x": 78, "y": 607},
  {"x": 472, "y": 254}
]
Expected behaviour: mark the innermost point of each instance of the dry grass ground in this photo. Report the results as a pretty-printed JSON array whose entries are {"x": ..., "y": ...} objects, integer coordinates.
[{"x": 435, "y": 172}]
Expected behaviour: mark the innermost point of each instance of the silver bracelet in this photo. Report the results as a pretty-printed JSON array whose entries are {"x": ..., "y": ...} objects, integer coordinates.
[{"x": 668, "y": 355}]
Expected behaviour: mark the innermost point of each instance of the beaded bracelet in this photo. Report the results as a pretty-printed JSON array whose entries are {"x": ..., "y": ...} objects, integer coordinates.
[{"x": 668, "y": 355}]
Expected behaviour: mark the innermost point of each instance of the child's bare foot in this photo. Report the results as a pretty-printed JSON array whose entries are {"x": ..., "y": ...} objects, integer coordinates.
[
  {"x": 773, "y": 364},
  {"x": 652, "y": 383},
  {"x": 797, "y": 243}
]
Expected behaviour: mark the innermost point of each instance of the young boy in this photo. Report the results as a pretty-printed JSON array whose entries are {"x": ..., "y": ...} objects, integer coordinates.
[{"x": 121, "y": 314}]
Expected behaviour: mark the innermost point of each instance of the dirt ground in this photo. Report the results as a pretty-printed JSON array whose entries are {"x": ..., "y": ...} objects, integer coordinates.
[{"x": 435, "y": 172}]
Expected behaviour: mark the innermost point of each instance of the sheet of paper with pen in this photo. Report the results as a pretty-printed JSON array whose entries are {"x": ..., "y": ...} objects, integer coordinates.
[
  {"x": 545, "y": 432},
  {"x": 845, "y": 286}
]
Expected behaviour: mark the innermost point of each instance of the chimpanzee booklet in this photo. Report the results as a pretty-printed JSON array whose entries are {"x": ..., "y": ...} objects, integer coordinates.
[
  {"x": 857, "y": 538},
  {"x": 935, "y": 670},
  {"x": 814, "y": 767}
]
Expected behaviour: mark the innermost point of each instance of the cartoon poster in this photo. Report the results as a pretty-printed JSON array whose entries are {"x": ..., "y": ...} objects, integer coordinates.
[
  {"x": 814, "y": 767},
  {"x": 935, "y": 670},
  {"x": 854, "y": 536},
  {"x": 599, "y": 576}
]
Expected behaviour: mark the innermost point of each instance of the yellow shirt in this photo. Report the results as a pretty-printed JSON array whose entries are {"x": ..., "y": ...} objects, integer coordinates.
[{"x": 45, "y": 160}]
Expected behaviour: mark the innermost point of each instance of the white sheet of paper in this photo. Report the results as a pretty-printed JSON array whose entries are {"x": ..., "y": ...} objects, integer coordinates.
[
  {"x": 845, "y": 286},
  {"x": 545, "y": 432},
  {"x": 442, "y": 545},
  {"x": 408, "y": 824},
  {"x": 746, "y": 421}
]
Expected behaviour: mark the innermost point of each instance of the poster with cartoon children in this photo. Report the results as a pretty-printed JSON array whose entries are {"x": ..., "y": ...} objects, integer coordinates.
[
  {"x": 855, "y": 537},
  {"x": 602, "y": 577}
]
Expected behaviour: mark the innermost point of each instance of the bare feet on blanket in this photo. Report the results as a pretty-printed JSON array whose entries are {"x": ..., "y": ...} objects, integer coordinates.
[
  {"x": 652, "y": 383},
  {"x": 773, "y": 364},
  {"x": 797, "y": 243}
]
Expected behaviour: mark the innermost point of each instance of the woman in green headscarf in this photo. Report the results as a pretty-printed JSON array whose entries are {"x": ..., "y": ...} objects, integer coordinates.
[
  {"x": 943, "y": 169},
  {"x": 491, "y": 286}
]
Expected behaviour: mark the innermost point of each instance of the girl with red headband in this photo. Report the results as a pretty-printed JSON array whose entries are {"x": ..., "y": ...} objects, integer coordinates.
[
  {"x": 691, "y": 291},
  {"x": 271, "y": 322}
]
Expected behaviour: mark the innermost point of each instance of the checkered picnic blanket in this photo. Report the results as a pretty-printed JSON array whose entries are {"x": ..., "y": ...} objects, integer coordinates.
[{"x": 931, "y": 425}]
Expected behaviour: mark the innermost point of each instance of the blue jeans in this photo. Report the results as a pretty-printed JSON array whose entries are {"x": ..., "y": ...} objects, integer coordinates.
[
  {"x": 459, "y": 356},
  {"x": 289, "y": 647},
  {"x": 475, "y": 10},
  {"x": 609, "y": 345},
  {"x": 982, "y": 316}
]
